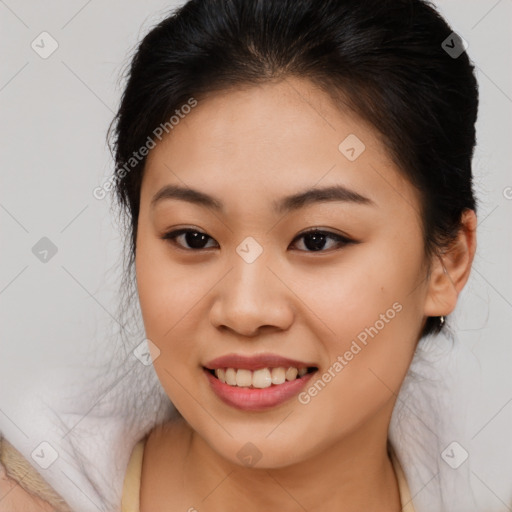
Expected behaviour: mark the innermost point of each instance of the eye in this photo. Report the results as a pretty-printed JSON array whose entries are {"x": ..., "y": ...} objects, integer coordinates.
[
  {"x": 196, "y": 240},
  {"x": 315, "y": 240}
]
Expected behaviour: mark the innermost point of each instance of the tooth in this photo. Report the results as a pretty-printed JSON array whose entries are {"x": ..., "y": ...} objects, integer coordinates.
[
  {"x": 262, "y": 378},
  {"x": 221, "y": 374},
  {"x": 231, "y": 376},
  {"x": 278, "y": 375},
  {"x": 303, "y": 372},
  {"x": 244, "y": 378},
  {"x": 291, "y": 373}
]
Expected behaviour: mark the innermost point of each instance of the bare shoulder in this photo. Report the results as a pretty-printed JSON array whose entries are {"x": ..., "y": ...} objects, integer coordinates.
[{"x": 13, "y": 498}]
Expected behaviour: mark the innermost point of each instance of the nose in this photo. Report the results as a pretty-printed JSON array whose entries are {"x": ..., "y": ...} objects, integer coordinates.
[{"x": 252, "y": 299}]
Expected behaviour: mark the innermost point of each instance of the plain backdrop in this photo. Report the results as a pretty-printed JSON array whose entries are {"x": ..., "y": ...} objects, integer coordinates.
[{"x": 54, "y": 114}]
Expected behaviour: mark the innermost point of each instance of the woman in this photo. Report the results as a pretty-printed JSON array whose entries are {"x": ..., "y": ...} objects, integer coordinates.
[{"x": 298, "y": 188}]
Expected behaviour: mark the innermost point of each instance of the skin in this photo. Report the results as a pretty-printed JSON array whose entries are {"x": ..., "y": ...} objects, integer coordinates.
[
  {"x": 13, "y": 497},
  {"x": 248, "y": 147}
]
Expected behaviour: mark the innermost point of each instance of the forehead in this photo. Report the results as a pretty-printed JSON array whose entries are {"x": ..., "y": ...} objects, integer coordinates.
[{"x": 274, "y": 139}]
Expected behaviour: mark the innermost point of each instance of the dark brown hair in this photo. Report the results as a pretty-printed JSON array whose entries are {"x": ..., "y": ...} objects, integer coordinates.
[{"x": 385, "y": 59}]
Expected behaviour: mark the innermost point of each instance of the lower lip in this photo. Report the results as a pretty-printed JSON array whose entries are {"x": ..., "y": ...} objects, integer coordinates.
[{"x": 254, "y": 399}]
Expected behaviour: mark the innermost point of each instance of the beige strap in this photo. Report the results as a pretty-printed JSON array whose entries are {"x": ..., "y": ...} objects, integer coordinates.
[{"x": 130, "y": 501}]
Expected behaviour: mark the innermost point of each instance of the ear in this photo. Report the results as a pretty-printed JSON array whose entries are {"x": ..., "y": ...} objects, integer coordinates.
[{"x": 450, "y": 271}]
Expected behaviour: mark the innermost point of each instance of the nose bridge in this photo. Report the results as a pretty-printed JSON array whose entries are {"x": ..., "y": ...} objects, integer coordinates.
[
  {"x": 251, "y": 296},
  {"x": 250, "y": 277}
]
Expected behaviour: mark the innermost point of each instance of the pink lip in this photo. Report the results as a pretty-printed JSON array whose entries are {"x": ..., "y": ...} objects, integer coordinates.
[
  {"x": 255, "y": 362},
  {"x": 252, "y": 399}
]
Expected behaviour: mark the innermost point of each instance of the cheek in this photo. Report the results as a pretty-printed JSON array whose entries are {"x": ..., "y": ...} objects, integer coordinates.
[
  {"x": 170, "y": 296},
  {"x": 166, "y": 307},
  {"x": 373, "y": 320},
  {"x": 368, "y": 356},
  {"x": 367, "y": 287},
  {"x": 167, "y": 291},
  {"x": 161, "y": 299}
]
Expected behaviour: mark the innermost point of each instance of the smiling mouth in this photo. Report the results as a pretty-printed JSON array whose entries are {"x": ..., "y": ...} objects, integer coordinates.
[{"x": 261, "y": 378}]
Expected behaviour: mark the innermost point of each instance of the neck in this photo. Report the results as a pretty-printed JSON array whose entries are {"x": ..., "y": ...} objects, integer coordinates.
[{"x": 355, "y": 474}]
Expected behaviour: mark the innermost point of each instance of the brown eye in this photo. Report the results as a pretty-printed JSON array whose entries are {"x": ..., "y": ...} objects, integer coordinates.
[
  {"x": 191, "y": 239},
  {"x": 313, "y": 240},
  {"x": 316, "y": 240}
]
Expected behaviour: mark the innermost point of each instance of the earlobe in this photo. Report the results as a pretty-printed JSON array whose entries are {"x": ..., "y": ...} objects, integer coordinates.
[{"x": 450, "y": 271}]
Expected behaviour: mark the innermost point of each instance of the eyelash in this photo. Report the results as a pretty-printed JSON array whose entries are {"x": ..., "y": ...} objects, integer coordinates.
[{"x": 171, "y": 236}]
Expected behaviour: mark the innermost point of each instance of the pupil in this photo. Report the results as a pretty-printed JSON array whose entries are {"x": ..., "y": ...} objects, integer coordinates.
[
  {"x": 317, "y": 239},
  {"x": 195, "y": 240}
]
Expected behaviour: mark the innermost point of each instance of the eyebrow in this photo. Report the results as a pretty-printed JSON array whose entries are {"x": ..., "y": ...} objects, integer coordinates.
[{"x": 286, "y": 204}]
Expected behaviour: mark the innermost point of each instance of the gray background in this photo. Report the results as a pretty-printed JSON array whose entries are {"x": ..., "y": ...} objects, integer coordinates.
[{"x": 54, "y": 116}]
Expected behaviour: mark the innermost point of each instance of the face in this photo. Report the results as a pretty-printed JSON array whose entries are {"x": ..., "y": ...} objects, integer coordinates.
[{"x": 299, "y": 250}]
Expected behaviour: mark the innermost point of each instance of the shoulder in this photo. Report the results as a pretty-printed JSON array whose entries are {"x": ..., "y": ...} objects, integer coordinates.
[
  {"x": 21, "y": 487},
  {"x": 14, "y": 498}
]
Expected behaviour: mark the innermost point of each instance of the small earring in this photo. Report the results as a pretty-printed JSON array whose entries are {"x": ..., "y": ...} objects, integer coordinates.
[{"x": 441, "y": 321}]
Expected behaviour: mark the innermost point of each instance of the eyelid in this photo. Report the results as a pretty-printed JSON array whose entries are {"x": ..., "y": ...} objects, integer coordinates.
[
  {"x": 171, "y": 236},
  {"x": 340, "y": 239},
  {"x": 325, "y": 231}
]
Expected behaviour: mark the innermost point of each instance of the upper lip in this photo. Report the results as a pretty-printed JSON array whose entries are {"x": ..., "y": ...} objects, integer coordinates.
[{"x": 256, "y": 362}]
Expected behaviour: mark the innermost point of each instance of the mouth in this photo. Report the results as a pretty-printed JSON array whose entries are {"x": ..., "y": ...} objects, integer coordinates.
[
  {"x": 261, "y": 378},
  {"x": 257, "y": 383}
]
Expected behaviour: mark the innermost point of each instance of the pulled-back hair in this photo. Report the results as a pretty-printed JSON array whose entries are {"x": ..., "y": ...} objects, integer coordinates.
[{"x": 384, "y": 59}]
